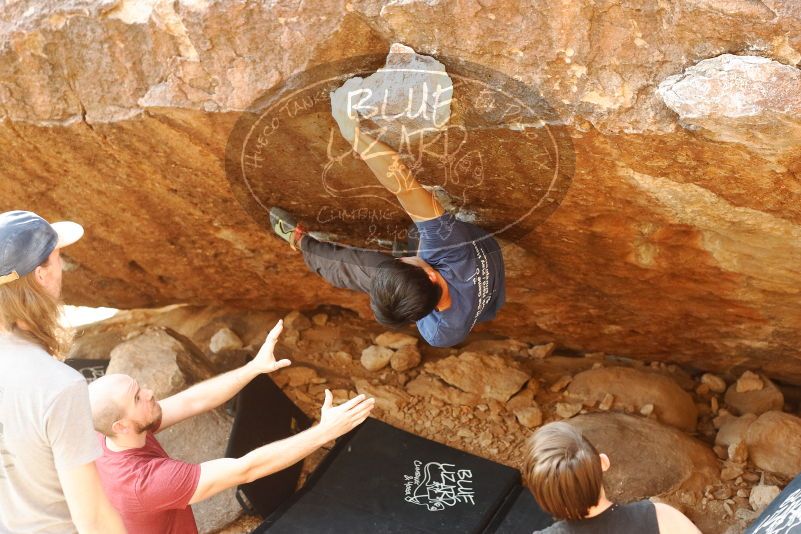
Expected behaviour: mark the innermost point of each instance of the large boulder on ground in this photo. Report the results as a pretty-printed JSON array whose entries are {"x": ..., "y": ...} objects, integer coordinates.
[
  {"x": 635, "y": 389},
  {"x": 160, "y": 360},
  {"x": 774, "y": 443},
  {"x": 648, "y": 458},
  {"x": 755, "y": 394},
  {"x": 487, "y": 375}
]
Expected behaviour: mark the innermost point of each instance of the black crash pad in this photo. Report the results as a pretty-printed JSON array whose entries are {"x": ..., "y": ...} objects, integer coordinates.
[
  {"x": 383, "y": 480},
  {"x": 263, "y": 414},
  {"x": 522, "y": 515}
]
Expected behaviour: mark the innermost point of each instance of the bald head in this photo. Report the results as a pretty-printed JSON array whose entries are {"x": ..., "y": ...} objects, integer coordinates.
[{"x": 106, "y": 396}]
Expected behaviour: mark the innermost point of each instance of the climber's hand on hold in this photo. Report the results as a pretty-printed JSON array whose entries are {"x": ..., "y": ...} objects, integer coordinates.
[{"x": 347, "y": 103}]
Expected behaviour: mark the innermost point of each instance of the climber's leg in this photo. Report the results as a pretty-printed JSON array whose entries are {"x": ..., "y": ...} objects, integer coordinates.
[{"x": 341, "y": 265}]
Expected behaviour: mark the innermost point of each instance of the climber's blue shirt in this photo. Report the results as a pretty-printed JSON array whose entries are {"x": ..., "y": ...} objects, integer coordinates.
[{"x": 470, "y": 261}]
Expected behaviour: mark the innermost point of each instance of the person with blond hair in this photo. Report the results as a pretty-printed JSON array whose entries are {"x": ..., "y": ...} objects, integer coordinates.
[
  {"x": 564, "y": 471},
  {"x": 48, "y": 478}
]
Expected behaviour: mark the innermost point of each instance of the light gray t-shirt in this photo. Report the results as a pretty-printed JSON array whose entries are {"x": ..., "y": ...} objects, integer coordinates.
[{"x": 45, "y": 427}]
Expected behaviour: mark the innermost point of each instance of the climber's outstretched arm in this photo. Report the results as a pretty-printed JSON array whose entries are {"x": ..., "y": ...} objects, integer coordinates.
[
  {"x": 387, "y": 165},
  {"x": 385, "y": 162}
]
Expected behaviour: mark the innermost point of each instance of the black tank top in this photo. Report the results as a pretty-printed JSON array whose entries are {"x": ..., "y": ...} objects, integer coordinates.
[{"x": 633, "y": 518}]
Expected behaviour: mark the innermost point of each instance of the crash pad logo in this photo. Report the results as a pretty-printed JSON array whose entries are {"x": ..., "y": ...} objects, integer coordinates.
[
  {"x": 438, "y": 486},
  {"x": 487, "y": 145},
  {"x": 94, "y": 372}
]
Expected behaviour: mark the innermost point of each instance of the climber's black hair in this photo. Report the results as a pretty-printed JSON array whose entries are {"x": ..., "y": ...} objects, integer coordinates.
[{"x": 402, "y": 293}]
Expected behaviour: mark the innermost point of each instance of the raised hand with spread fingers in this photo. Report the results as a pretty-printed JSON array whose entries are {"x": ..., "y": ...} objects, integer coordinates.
[{"x": 265, "y": 362}]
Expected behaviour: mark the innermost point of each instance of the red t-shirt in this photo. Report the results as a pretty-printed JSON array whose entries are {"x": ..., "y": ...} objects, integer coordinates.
[{"x": 150, "y": 490}]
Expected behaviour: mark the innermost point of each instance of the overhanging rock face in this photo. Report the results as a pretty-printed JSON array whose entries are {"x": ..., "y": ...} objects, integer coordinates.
[{"x": 673, "y": 233}]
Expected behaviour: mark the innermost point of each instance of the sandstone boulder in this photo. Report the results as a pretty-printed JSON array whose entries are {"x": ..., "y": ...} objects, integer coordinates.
[
  {"x": 566, "y": 410},
  {"x": 560, "y": 384},
  {"x": 144, "y": 80},
  {"x": 521, "y": 400},
  {"x": 607, "y": 402},
  {"x": 534, "y": 385},
  {"x": 738, "y": 452},
  {"x": 675, "y": 463},
  {"x": 297, "y": 321},
  {"x": 774, "y": 443},
  {"x": 753, "y": 399},
  {"x": 489, "y": 376},
  {"x": 539, "y": 352},
  {"x": 529, "y": 416},
  {"x": 224, "y": 339},
  {"x": 734, "y": 429},
  {"x": 749, "y": 381},
  {"x": 427, "y": 385},
  {"x": 525, "y": 408},
  {"x": 375, "y": 358},
  {"x": 160, "y": 360},
  {"x": 636, "y": 390},
  {"x": 405, "y": 358},
  {"x": 731, "y": 471}
]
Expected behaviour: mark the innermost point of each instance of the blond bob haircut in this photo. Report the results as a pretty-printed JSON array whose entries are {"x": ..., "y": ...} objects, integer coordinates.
[{"x": 563, "y": 471}]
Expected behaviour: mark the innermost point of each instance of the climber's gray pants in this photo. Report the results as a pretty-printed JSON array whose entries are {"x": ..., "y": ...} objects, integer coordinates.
[{"x": 340, "y": 265}]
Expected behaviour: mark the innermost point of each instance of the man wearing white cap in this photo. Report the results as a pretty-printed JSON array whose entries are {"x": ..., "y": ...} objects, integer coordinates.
[{"x": 48, "y": 478}]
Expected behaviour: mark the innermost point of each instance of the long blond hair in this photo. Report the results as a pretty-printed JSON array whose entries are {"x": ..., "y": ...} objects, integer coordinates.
[{"x": 26, "y": 303}]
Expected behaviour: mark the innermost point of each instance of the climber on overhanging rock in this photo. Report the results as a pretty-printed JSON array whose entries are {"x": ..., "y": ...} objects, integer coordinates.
[{"x": 456, "y": 279}]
